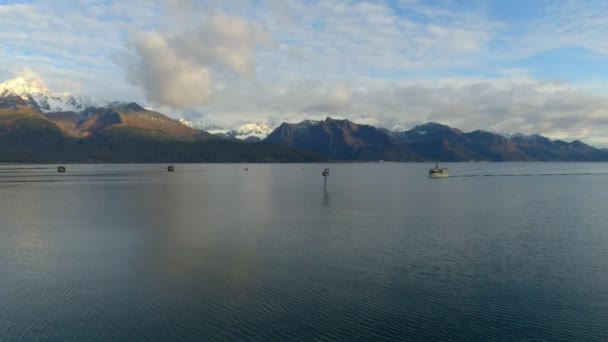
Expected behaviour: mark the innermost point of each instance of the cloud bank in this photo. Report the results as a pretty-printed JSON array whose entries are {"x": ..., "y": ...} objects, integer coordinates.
[{"x": 505, "y": 106}]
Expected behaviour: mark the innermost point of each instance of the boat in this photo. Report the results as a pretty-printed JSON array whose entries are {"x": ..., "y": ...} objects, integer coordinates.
[{"x": 437, "y": 172}]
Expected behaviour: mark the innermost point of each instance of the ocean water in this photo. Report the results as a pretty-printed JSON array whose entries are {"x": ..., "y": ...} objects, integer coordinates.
[{"x": 496, "y": 252}]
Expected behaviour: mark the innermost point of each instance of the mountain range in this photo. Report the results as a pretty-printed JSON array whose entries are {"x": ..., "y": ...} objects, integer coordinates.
[
  {"x": 345, "y": 140},
  {"x": 37, "y": 125}
]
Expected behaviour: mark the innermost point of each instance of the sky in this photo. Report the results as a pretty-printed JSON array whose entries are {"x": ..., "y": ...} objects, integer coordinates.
[{"x": 503, "y": 66}]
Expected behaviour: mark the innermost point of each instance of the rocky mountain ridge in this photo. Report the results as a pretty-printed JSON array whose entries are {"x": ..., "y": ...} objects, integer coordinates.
[{"x": 345, "y": 140}]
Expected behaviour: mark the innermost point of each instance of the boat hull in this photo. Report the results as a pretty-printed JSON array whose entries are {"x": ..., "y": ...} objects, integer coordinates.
[{"x": 441, "y": 173}]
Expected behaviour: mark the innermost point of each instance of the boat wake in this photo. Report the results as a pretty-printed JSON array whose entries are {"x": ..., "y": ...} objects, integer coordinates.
[{"x": 531, "y": 174}]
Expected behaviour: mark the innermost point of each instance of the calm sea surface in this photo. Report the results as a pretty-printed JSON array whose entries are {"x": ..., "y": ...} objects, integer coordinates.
[{"x": 496, "y": 252}]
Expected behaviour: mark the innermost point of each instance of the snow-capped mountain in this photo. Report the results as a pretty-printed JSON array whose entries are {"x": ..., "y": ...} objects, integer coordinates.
[
  {"x": 249, "y": 131},
  {"x": 398, "y": 128},
  {"x": 34, "y": 92}
]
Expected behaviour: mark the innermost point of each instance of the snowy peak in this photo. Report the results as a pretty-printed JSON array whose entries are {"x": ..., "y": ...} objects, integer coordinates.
[
  {"x": 248, "y": 131},
  {"x": 253, "y": 129},
  {"x": 32, "y": 90},
  {"x": 398, "y": 128},
  {"x": 23, "y": 87}
]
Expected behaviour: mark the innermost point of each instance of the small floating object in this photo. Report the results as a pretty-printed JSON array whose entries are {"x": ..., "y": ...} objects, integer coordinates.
[
  {"x": 246, "y": 169},
  {"x": 325, "y": 174},
  {"x": 170, "y": 168},
  {"x": 61, "y": 169},
  {"x": 437, "y": 172}
]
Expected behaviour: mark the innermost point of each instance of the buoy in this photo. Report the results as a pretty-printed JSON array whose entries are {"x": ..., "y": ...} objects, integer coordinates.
[
  {"x": 61, "y": 169},
  {"x": 246, "y": 169},
  {"x": 325, "y": 174},
  {"x": 170, "y": 168}
]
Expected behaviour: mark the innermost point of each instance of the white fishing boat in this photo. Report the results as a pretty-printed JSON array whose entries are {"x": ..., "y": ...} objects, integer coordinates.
[{"x": 437, "y": 172}]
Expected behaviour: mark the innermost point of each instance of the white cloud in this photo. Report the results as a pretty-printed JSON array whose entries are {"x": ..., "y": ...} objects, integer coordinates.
[
  {"x": 348, "y": 38},
  {"x": 177, "y": 69}
]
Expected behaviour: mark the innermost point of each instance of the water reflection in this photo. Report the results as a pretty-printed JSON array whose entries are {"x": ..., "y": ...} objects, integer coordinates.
[{"x": 325, "y": 199}]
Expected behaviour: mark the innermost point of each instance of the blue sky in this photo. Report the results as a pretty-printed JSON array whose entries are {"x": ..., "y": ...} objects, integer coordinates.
[{"x": 505, "y": 66}]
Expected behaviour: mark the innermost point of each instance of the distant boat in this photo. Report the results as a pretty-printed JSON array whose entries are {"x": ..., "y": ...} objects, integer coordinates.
[{"x": 437, "y": 172}]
